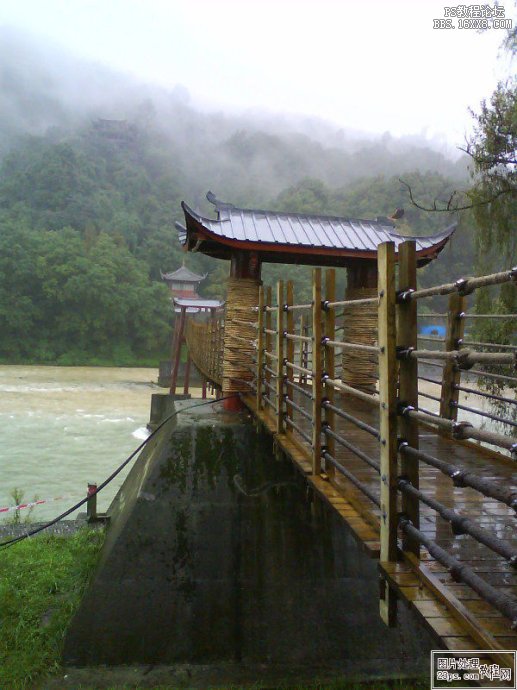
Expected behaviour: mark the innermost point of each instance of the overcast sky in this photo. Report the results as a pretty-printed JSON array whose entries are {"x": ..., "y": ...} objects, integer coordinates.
[{"x": 370, "y": 65}]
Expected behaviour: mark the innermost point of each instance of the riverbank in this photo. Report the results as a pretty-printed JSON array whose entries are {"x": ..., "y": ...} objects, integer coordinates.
[
  {"x": 88, "y": 361},
  {"x": 42, "y": 580},
  {"x": 42, "y": 583},
  {"x": 194, "y": 677}
]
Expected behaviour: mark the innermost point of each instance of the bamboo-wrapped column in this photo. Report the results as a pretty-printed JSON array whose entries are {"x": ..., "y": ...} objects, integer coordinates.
[
  {"x": 360, "y": 326},
  {"x": 240, "y": 331}
]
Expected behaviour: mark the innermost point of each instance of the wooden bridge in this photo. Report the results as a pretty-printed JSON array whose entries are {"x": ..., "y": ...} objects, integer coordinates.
[{"x": 382, "y": 432}]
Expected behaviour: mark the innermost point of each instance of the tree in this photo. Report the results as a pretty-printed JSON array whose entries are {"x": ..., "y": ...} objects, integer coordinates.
[
  {"x": 494, "y": 151},
  {"x": 65, "y": 300},
  {"x": 491, "y": 200},
  {"x": 494, "y": 194}
]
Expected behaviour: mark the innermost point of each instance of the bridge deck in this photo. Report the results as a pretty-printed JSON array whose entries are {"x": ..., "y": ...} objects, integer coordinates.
[
  {"x": 463, "y": 590},
  {"x": 454, "y": 612}
]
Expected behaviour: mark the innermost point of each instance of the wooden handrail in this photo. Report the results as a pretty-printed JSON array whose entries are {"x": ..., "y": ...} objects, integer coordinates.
[{"x": 308, "y": 416}]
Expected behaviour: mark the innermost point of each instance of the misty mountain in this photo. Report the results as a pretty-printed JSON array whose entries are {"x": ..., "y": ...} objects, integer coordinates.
[
  {"x": 43, "y": 86},
  {"x": 93, "y": 166},
  {"x": 46, "y": 90}
]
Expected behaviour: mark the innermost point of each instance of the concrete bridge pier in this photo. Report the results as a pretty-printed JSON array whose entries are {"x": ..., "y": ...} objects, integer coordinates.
[{"x": 214, "y": 559}]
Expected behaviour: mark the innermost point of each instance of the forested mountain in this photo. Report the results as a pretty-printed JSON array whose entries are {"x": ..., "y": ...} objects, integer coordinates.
[{"x": 90, "y": 190}]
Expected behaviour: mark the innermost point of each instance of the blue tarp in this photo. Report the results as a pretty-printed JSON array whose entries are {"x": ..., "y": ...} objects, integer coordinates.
[{"x": 432, "y": 329}]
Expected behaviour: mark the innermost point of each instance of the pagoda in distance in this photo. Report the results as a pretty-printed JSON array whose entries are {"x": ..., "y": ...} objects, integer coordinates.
[{"x": 183, "y": 282}]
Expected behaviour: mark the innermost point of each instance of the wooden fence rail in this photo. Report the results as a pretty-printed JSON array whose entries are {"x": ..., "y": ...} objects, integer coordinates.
[
  {"x": 295, "y": 383},
  {"x": 205, "y": 343}
]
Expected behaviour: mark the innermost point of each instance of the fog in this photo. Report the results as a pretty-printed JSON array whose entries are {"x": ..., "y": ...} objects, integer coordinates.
[
  {"x": 113, "y": 112},
  {"x": 364, "y": 68},
  {"x": 245, "y": 96}
]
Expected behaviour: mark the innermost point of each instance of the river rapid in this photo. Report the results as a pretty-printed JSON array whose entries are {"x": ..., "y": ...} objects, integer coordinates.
[{"x": 62, "y": 427}]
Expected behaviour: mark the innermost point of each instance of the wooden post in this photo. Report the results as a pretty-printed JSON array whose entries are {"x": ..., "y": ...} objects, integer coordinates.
[
  {"x": 451, "y": 376},
  {"x": 280, "y": 349},
  {"x": 408, "y": 384},
  {"x": 177, "y": 353},
  {"x": 260, "y": 347},
  {"x": 203, "y": 388},
  {"x": 289, "y": 345},
  {"x": 213, "y": 343},
  {"x": 174, "y": 347},
  {"x": 269, "y": 340},
  {"x": 91, "y": 503},
  {"x": 187, "y": 375},
  {"x": 388, "y": 420},
  {"x": 303, "y": 346},
  {"x": 213, "y": 346},
  {"x": 330, "y": 362},
  {"x": 280, "y": 357},
  {"x": 306, "y": 352},
  {"x": 317, "y": 371},
  {"x": 174, "y": 338},
  {"x": 220, "y": 349}
]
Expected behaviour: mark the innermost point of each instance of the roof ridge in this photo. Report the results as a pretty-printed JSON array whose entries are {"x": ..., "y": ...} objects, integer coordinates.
[
  {"x": 183, "y": 273},
  {"x": 349, "y": 219},
  {"x": 299, "y": 234}
]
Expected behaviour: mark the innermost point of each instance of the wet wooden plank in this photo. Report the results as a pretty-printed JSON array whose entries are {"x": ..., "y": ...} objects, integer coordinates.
[
  {"x": 416, "y": 593},
  {"x": 480, "y": 632},
  {"x": 431, "y": 608},
  {"x": 353, "y": 506},
  {"x": 498, "y": 627},
  {"x": 481, "y": 608},
  {"x": 405, "y": 579},
  {"x": 446, "y": 627},
  {"x": 459, "y": 643}
]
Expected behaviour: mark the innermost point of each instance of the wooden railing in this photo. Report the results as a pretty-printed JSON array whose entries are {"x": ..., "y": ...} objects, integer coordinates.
[
  {"x": 205, "y": 343},
  {"x": 297, "y": 382}
]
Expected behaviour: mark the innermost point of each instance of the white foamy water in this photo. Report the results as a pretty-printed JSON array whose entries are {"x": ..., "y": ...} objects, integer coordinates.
[
  {"x": 61, "y": 427},
  {"x": 141, "y": 433}
]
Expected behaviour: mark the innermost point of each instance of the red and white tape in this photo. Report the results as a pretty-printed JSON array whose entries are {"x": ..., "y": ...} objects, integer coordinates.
[{"x": 21, "y": 506}]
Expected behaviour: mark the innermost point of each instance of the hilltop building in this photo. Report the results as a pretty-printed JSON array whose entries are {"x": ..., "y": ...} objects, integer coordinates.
[
  {"x": 117, "y": 130},
  {"x": 183, "y": 282}
]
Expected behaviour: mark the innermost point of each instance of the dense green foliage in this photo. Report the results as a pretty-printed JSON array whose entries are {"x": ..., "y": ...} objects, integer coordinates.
[
  {"x": 494, "y": 194},
  {"x": 62, "y": 297},
  {"x": 87, "y": 216},
  {"x": 40, "y": 589},
  {"x": 76, "y": 262},
  {"x": 372, "y": 197},
  {"x": 494, "y": 198},
  {"x": 87, "y": 224}
]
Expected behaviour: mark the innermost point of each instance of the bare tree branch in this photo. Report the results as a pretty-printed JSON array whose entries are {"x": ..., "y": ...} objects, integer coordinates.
[{"x": 449, "y": 206}]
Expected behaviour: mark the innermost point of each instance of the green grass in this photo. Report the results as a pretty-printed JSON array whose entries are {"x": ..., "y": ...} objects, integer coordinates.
[
  {"x": 336, "y": 685},
  {"x": 368, "y": 685},
  {"x": 41, "y": 582},
  {"x": 371, "y": 685}
]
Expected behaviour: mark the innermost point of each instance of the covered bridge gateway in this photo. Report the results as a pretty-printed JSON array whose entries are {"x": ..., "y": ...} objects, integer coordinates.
[{"x": 249, "y": 237}]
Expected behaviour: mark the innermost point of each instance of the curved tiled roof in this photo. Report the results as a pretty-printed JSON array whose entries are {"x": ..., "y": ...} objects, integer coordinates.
[
  {"x": 275, "y": 231},
  {"x": 183, "y": 274},
  {"x": 197, "y": 302}
]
